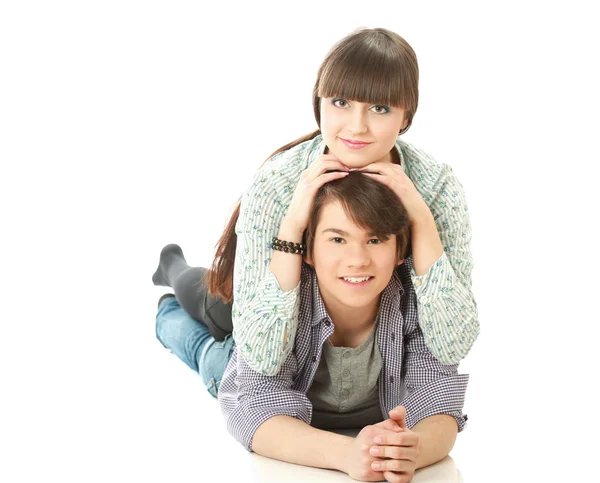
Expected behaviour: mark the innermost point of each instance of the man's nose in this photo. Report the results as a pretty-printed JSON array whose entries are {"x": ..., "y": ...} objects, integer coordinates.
[{"x": 358, "y": 256}]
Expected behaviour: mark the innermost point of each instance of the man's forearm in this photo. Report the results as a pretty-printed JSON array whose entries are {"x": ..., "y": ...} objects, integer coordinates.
[
  {"x": 288, "y": 439},
  {"x": 437, "y": 435}
]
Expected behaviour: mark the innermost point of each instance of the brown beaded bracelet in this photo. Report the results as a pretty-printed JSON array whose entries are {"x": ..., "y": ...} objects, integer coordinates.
[{"x": 288, "y": 247}]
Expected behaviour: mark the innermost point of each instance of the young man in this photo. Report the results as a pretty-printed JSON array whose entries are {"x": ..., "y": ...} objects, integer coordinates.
[{"x": 359, "y": 354}]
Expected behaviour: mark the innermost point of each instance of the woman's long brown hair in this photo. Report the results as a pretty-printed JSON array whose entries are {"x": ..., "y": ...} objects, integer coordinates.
[{"x": 370, "y": 65}]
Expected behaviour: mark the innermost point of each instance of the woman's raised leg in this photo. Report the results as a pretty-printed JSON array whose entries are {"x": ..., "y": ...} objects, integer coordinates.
[{"x": 189, "y": 284}]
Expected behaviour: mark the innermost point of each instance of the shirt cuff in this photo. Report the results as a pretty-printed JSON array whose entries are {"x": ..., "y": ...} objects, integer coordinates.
[
  {"x": 259, "y": 410},
  {"x": 442, "y": 396},
  {"x": 260, "y": 328},
  {"x": 439, "y": 279}
]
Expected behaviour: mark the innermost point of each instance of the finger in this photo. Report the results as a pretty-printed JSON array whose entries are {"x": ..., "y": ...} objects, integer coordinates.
[
  {"x": 408, "y": 453},
  {"x": 390, "y": 438},
  {"x": 377, "y": 167},
  {"x": 393, "y": 465},
  {"x": 398, "y": 477},
  {"x": 329, "y": 163},
  {"x": 389, "y": 424},
  {"x": 385, "y": 180},
  {"x": 326, "y": 178},
  {"x": 321, "y": 166},
  {"x": 398, "y": 414},
  {"x": 313, "y": 173}
]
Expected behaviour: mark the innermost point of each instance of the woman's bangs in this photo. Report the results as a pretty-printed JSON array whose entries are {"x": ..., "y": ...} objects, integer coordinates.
[{"x": 372, "y": 80}]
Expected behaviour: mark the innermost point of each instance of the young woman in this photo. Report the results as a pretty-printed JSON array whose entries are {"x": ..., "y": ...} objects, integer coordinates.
[
  {"x": 364, "y": 98},
  {"x": 358, "y": 354}
]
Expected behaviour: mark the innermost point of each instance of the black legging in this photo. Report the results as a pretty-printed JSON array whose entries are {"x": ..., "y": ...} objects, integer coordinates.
[{"x": 189, "y": 285}]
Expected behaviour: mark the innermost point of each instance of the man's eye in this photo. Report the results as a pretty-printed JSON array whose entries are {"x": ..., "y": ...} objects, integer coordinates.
[
  {"x": 375, "y": 241},
  {"x": 337, "y": 239}
]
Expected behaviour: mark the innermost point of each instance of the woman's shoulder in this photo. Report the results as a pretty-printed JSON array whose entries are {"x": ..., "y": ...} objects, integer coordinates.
[
  {"x": 427, "y": 174},
  {"x": 419, "y": 160},
  {"x": 298, "y": 157},
  {"x": 280, "y": 174}
]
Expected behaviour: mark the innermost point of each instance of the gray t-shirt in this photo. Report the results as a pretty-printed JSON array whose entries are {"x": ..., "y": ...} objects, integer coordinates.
[{"x": 345, "y": 390}]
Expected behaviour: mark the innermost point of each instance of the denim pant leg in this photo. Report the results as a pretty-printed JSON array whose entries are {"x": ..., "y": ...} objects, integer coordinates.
[
  {"x": 213, "y": 362},
  {"x": 190, "y": 340}
]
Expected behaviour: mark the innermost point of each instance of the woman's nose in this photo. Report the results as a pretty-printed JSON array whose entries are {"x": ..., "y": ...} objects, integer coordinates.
[{"x": 357, "y": 123}]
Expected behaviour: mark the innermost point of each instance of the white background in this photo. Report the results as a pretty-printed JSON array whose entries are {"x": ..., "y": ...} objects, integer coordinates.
[{"x": 128, "y": 125}]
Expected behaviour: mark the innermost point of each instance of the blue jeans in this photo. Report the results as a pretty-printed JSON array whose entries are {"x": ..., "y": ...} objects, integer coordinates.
[{"x": 191, "y": 341}]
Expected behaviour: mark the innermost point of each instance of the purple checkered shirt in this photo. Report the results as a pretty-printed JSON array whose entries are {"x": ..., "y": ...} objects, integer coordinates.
[{"x": 410, "y": 376}]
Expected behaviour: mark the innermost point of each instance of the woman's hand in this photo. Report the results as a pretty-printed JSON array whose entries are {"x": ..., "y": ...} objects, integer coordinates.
[
  {"x": 315, "y": 176},
  {"x": 394, "y": 177}
]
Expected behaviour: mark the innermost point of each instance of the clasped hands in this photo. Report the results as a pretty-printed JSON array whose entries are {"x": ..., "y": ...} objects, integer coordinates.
[{"x": 385, "y": 451}]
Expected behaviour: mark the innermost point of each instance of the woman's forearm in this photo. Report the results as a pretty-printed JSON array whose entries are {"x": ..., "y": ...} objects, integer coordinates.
[
  {"x": 426, "y": 244},
  {"x": 437, "y": 435},
  {"x": 286, "y": 266},
  {"x": 288, "y": 439}
]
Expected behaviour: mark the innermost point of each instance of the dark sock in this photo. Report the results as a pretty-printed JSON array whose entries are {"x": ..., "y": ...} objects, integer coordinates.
[{"x": 171, "y": 264}]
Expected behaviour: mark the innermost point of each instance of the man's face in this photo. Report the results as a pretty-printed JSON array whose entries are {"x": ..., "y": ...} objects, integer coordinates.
[{"x": 352, "y": 265}]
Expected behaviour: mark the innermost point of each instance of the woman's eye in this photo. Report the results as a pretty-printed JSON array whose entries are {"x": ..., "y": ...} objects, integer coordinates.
[
  {"x": 375, "y": 241},
  {"x": 339, "y": 102},
  {"x": 379, "y": 109},
  {"x": 337, "y": 240}
]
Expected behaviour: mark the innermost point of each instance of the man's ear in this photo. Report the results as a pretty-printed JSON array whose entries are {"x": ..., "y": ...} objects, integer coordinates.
[{"x": 308, "y": 260}]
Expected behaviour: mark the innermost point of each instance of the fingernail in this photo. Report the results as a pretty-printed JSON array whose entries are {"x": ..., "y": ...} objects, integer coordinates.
[
  {"x": 374, "y": 450},
  {"x": 376, "y": 465}
]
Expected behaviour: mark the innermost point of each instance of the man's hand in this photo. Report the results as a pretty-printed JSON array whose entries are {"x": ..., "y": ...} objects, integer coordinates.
[
  {"x": 358, "y": 460},
  {"x": 396, "y": 451}
]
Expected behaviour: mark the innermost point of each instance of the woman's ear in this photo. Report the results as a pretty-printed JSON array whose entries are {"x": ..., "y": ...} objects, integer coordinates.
[{"x": 400, "y": 262}]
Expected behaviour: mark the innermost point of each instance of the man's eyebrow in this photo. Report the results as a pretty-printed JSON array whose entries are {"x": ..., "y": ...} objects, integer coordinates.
[
  {"x": 335, "y": 230},
  {"x": 344, "y": 233}
]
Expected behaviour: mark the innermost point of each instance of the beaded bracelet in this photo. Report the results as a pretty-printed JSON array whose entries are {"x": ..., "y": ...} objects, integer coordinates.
[{"x": 288, "y": 247}]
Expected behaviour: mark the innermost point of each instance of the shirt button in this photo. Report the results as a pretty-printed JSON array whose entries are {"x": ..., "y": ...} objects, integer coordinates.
[
  {"x": 345, "y": 392},
  {"x": 393, "y": 336},
  {"x": 424, "y": 299},
  {"x": 346, "y": 355},
  {"x": 327, "y": 323},
  {"x": 392, "y": 379},
  {"x": 418, "y": 283},
  {"x": 346, "y": 372},
  {"x": 314, "y": 359}
]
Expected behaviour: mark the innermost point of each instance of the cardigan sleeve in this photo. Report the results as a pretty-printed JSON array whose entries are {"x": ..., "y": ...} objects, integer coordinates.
[
  {"x": 447, "y": 309},
  {"x": 265, "y": 317}
]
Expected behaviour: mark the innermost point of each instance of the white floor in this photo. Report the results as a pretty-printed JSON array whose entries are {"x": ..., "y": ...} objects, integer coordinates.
[{"x": 195, "y": 427}]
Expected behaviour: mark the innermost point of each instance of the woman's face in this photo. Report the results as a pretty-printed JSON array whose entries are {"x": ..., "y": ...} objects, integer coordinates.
[{"x": 358, "y": 133}]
